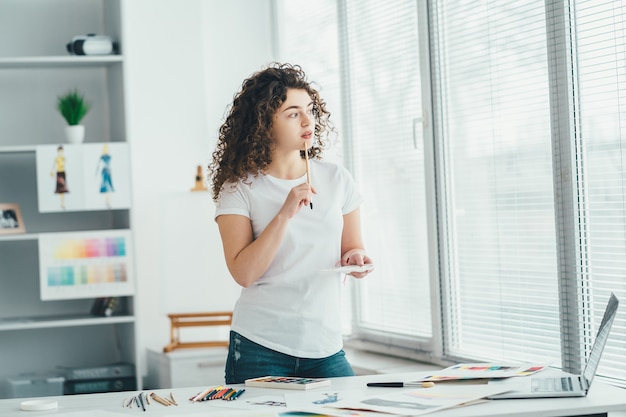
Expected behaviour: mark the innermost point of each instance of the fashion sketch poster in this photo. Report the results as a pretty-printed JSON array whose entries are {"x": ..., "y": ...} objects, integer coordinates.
[{"x": 91, "y": 176}]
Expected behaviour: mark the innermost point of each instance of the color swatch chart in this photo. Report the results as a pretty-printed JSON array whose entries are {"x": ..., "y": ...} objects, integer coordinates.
[
  {"x": 86, "y": 274},
  {"x": 90, "y": 248},
  {"x": 85, "y": 264}
]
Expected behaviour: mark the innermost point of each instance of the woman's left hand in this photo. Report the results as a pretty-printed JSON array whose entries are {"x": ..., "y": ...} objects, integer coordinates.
[{"x": 356, "y": 257}]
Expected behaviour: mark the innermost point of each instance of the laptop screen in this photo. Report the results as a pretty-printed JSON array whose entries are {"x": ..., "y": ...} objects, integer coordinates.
[{"x": 603, "y": 335}]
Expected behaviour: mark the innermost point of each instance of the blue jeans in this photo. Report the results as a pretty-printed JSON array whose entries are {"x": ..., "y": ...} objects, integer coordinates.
[{"x": 247, "y": 359}]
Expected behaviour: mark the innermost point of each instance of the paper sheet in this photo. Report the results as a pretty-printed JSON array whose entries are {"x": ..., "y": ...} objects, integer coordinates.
[
  {"x": 350, "y": 268},
  {"x": 415, "y": 402},
  {"x": 483, "y": 371}
]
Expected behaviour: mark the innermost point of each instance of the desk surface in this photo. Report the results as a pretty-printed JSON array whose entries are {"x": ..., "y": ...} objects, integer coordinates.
[{"x": 602, "y": 398}]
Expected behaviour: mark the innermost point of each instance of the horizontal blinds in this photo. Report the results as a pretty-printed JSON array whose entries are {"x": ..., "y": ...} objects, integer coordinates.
[
  {"x": 316, "y": 50},
  {"x": 383, "y": 74},
  {"x": 601, "y": 64},
  {"x": 374, "y": 45},
  {"x": 501, "y": 298}
]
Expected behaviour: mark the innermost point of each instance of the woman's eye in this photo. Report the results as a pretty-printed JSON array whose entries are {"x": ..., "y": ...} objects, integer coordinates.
[{"x": 293, "y": 115}]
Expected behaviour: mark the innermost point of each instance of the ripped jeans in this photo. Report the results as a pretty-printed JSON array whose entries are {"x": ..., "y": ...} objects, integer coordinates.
[{"x": 247, "y": 359}]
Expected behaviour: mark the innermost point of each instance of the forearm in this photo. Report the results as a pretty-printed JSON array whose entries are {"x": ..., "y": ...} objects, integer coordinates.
[
  {"x": 248, "y": 258},
  {"x": 352, "y": 248},
  {"x": 351, "y": 239},
  {"x": 251, "y": 262}
]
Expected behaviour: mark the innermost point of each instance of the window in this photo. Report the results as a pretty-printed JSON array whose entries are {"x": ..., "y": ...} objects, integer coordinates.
[
  {"x": 524, "y": 230},
  {"x": 501, "y": 299},
  {"x": 383, "y": 145},
  {"x": 601, "y": 67},
  {"x": 382, "y": 67},
  {"x": 307, "y": 36}
]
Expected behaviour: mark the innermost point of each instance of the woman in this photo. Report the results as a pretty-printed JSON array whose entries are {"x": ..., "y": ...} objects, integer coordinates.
[
  {"x": 104, "y": 167},
  {"x": 276, "y": 243},
  {"x": 58, "y": 167}
]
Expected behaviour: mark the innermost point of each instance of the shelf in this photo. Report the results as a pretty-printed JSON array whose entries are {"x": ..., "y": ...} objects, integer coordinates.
[
  {"x": 60, "y": 61},
  {"x": 35, "y": 236},
  {"x": 26, "y": 323},
  {"x": 17, "y": 149},
  {"x": 33, "y": 148},
  {"x": 19, "y": 236},
  {"x": 37, "y": 330}
]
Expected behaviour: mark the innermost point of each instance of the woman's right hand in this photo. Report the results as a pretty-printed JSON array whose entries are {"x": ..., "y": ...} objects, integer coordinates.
[
  {"x": 248, "y": 258},
  {"x": 299, "y": 196}
]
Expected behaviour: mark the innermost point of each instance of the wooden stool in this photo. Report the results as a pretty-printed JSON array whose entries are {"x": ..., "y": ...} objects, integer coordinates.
[{"x": 221, "y": 318}]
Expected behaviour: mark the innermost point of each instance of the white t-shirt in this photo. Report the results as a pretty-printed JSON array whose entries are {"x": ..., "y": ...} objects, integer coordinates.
[{"x": 294, "y": 308}]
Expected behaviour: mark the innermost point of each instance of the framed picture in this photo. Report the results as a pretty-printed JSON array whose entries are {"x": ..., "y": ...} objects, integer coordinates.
[
  {"x": 90, "y": 176},
  {"x": 11, "y": 219},
  {"x": 85, "y": 264}
]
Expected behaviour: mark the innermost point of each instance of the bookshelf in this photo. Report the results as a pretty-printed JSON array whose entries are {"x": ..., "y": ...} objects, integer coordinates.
[{"x": 35, "y": 68}]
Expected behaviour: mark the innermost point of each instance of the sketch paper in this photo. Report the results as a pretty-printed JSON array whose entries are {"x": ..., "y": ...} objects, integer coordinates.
[
  {"x": 415, "y": 402},
  {"x": 320, "y": 402},
  {"x": 106, "y": 170},
  {"x": 57, "y": 164},
  {"x": 270, "y": 403},
  {"x": 483, "y": 371},
  {"x": 287, "y": 382},
  {"x": 86, "y": 177}
]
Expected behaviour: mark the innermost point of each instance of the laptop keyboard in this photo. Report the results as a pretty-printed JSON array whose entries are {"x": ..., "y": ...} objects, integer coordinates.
[{"x": 551, "y": 384}]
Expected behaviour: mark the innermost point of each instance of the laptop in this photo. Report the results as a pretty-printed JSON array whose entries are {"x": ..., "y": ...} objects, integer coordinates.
[{"x": 564, "y": 385}]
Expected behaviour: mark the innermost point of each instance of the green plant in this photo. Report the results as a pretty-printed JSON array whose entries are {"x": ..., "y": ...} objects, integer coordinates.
[{"x": 73, "y": 107}]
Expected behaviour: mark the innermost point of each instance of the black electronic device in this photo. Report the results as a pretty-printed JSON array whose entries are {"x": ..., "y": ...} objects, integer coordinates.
[{"x": 91, "y": 44}]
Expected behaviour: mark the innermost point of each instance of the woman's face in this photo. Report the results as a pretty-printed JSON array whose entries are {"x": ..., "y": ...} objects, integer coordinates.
[{"x": 294, "y": 122}]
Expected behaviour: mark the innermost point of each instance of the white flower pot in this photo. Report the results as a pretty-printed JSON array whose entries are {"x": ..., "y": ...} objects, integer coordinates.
[{"x": 75, "y": 134}]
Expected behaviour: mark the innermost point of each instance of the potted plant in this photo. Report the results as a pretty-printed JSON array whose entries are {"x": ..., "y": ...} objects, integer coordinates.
[{"x": 73, "y": 107}]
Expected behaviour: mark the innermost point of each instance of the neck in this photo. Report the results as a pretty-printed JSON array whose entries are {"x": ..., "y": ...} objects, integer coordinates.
[{"x": 288, "y": 167}]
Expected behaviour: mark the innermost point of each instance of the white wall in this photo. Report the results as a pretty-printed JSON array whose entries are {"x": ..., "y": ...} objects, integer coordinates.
[{"x": 184, "y": 61}]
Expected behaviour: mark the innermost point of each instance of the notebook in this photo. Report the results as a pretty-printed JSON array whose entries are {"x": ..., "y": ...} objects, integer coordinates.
[{"x": 565, "y": 385}]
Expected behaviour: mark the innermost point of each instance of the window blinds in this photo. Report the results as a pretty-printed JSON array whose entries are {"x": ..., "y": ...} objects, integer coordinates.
[
  {"x": 601, "y": 67},
  {"x": 317, "y": 50},
  {"x": 379, "y": 89},
  {"x": 495, "y": 66},
  {"x": 308, "y": 36},
  {"x": 493, "y": 121},
  {"x": 385, "y": 107}
]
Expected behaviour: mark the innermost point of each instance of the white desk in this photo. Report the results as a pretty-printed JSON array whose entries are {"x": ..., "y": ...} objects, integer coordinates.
[{"x": 601, "y": 399}]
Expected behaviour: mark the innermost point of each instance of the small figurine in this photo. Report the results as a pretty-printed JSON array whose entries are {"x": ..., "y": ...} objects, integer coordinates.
[{"x": 200, "y": 186}]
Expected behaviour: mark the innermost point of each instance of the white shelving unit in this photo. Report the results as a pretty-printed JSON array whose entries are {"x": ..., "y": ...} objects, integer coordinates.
[
  {"x": 59, "y": 61},
  {"x": 35, "y": 69}
]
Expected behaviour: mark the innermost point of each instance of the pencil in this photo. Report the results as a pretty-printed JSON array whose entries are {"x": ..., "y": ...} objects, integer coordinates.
[
  {"x": 201, "y": 395},
  {"x": 308, "y": 173},
  {"x": 160, "y": 400}
]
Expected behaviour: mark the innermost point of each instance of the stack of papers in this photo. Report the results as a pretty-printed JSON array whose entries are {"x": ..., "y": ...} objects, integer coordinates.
[
  {"x": 483, "y": 371},
  {"x": 422, "y": 400}
]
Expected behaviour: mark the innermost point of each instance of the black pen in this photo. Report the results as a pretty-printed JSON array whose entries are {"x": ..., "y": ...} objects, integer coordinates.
[
  {"x": 141, "y": 402},
  {"x": 426, "y": 384}
]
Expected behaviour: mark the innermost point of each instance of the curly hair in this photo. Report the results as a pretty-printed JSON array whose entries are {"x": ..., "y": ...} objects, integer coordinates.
[{"x": 244, "y": 144}]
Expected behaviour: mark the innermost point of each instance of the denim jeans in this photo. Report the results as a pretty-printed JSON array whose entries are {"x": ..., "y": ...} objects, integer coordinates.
[{"x": 247, "y": 359}]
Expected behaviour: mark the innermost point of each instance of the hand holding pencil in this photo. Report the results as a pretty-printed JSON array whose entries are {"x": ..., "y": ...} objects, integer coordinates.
[{"x": 308, "y": 172}]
